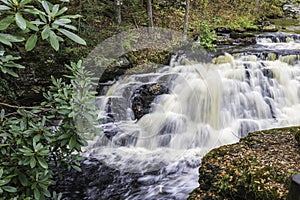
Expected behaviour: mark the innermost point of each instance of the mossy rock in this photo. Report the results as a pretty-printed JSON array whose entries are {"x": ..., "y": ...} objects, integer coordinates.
[{"x": 257, "y": 167}]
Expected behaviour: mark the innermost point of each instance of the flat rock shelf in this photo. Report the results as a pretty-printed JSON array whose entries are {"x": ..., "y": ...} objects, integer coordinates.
[{"x": 260, "y": 166}]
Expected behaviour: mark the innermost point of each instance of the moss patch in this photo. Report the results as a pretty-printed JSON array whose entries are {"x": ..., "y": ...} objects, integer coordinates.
[{"x": 258, "y": 167}]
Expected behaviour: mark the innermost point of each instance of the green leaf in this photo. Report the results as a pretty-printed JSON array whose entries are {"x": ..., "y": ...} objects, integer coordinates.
[
  {"x": 72, "y": 36},
  {"x": 63, "y": 136},
  {"x": 28, "y": 132},
  {"x": 26, "y": 152},
  {"x": 4, "y": 40},
  {"x": 32, "y": 162},
  {"x": 61, "y": 11},
  {"x": 31, "y": 42},
  {"x": 62, "y": 21},
  {"x": 25, "y": 149},
  {"x": 33, "y": 11},
  {"x": 4, "y": 23},
  {"x": 32, "y": 26},
  {"x": 76, "y": 168},
  {"x": 23, "y": 179},
  {"x": 3, "y": 7},
  {"x": 4, "y": 182},
  {"x": 24, "y": 2},
  {"x": 14, "y": 38},
  {"x": 9, "y": 189},
  {"x": 38, "y": 147},
  {"x": 70, "y": 27},
  {"x": 72, "y": 142},
  {"x": 46, "y": 7},
  {"x": 15, "y": 65},
  {"x": 6, "y": 2},
  {"x": 37, "y": 22},
  {"x": 9, "y": 71},
  {"x": 37, "y": 193},
  {"x": 44, "y": 152},
  {"x": 36, "y": 138},
  {"x": 72, "y": 16},
  {"x": 46, "y": 193},
  {"x": 63, "y": 111},
  {"x": 54, "y": 10},
  {"x": 60, "y": 39},
  {"x": 54, "y": 41},
  {"x": 1, "y": 172},
  {"x": 20, "y": 21},
  {"x": 43, "y": 18},
  {"x": 42, "y": 162},
  {"x": 46, "y": 32}
]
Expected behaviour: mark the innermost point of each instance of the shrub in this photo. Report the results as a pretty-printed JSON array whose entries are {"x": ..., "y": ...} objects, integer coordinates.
[{"x": 35, "y": 140}]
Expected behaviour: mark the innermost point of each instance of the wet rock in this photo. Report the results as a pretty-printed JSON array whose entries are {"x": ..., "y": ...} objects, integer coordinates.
[
  {"x": 246, "y": 41},
  {"x": 187, "y": 55},
  {"x": 253, "y": 28},
  {"x": 223, "y": 29},
  {"x": 144, "y": 96},
  {"x": 116, "y": 69},
  {"x": 294, "y": 193},
  {"x": 269, "y": 28},
  {"x": 237, "y": 35},
  {"x": 102, "y": 88},
  {"x": 110, "y": 130},
  {"x": 96, "y": 181},
  {"x": 74, "y": 185},
  {"x": 266, "y": 26},
  {"x": 224, "y": 40},
  {"x": 124, "y": 63},
  {"x": 240, "y": 30},
  {"x": 243, "y": 38}
]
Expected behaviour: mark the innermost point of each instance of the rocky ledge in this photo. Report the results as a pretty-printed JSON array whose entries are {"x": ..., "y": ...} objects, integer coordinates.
[{"x": 260, "y": 166}]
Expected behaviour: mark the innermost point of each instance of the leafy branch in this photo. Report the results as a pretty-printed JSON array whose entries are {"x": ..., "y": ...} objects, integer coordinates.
[{"x": 35, "y": 20}]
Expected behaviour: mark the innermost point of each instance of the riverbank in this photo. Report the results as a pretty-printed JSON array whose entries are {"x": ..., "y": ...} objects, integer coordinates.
[{"x": 258, "y": 167}]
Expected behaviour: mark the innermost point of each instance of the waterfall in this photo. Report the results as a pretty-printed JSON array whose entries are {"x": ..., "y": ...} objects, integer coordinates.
[{"x": 207, "y": 105}]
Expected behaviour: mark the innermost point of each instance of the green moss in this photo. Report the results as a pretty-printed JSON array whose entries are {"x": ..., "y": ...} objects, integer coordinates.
[{"x": 258, "y": 167}]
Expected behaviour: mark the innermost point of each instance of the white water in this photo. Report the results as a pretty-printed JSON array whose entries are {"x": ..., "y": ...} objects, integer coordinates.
[
  {"x": 209, "y": 105},
  {"x": 280, "y": 42}
]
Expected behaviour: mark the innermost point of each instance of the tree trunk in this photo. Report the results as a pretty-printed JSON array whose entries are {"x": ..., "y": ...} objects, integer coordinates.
[
  {"x": 186, "y": 18},
  {"x": 118, "y": 4},
  {"x": 149, "y": 12}
]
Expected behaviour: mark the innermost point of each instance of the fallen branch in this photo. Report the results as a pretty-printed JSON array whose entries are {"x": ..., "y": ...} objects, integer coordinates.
[{"x": 23, "y": 107}]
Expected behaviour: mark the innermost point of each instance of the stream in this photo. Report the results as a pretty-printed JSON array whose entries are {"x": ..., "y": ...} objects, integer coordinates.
[{"x": 203, "y": 106}]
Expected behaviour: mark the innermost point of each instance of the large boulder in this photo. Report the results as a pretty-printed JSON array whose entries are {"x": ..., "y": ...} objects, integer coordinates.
[{"x": 260, "y": 166}]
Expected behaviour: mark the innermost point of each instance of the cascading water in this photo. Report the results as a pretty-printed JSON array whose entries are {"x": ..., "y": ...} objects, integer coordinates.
[{"x": 207, "y": 105}]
